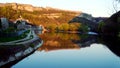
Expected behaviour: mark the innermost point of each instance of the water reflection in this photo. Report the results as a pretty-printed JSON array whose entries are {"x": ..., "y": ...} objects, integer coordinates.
[
  {"x": 12, "y": 54},
  {"x": 9, "y": 55},
  {"x": 113, "y": 43},
  {"x": 57, "y": 41},
  {"x": 62, "y": 50}
]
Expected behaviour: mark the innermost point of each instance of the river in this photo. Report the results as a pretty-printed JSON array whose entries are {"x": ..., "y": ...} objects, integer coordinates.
[{"x": 62, "y": 50}]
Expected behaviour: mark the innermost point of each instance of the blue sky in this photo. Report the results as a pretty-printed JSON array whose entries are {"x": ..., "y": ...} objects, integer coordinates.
[{"x": 94, "y": 7}]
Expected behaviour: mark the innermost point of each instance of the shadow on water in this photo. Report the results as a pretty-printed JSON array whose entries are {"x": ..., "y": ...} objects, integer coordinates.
[{"x": 113, "y": 43}]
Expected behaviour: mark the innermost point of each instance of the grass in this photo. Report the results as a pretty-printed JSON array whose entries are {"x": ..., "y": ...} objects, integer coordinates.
[
  {"x": 31, "y": 37},
  {"x": 8, "y": 39}
]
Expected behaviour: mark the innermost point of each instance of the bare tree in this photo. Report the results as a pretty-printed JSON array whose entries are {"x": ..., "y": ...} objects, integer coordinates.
[{"x": 116, "y": 6}]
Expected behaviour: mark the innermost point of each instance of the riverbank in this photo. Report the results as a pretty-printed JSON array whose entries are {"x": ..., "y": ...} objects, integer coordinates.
[
  {"x": 13, "y": 51},
  {"x": 10, "y": 55}
]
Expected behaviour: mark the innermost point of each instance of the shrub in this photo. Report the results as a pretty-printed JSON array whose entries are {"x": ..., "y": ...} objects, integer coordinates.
[{"x": 101, "y": 24}]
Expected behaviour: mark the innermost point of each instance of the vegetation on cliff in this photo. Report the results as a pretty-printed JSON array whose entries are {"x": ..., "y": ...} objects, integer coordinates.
[{"x": 52, "y": 19}]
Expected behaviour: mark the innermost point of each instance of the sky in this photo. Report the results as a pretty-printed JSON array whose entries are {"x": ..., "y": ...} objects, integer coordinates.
[{"x": 98, "y": 8}]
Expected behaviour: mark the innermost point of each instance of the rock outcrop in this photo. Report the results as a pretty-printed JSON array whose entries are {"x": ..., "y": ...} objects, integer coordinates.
[
  {"x": 26, "y": 7},
  {"x": 109, "y": 26},
  {"x": 92, "y": 25}
]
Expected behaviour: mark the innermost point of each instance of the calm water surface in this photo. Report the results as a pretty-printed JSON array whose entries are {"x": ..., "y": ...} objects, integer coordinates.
[{"x": 70, "y": 51}]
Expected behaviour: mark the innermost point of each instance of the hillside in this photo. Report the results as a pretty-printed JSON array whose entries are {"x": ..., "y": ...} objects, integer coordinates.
[{"x": 36, "y": 15}]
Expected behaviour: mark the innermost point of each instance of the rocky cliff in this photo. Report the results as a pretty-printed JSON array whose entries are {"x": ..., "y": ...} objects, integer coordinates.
[
  {"x": 31, "y": 8},
  {"x": 26, "y": 7}
]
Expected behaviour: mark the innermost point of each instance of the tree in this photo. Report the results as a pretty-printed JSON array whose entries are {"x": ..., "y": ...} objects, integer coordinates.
[{"x": 116, "y": 5}]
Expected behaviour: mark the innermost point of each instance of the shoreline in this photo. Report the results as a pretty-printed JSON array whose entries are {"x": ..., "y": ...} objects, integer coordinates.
[{"x": 18, "y": 52}]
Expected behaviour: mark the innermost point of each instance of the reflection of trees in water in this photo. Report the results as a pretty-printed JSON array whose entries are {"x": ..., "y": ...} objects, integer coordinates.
[
  {"x": 54, "y": 41},
  {"x": 63, "y": 36}
]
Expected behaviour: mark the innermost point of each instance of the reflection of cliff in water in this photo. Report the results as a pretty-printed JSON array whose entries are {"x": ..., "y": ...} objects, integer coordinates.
[
  {"x": 11, "y": 54},
  {"x": 57, "y": 41},
  {"x": 86, "y": 40}
]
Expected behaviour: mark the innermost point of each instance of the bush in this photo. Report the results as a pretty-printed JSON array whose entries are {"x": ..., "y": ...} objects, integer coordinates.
[
  {"x": 8, "y": 39},
  {"x": 84, "y": 28},
  {"x": 101, "y": 24},
  {"x": 63, "y": 27},
  {"x": 10, "y": 29},
  {"x": 52, "y": 27}
]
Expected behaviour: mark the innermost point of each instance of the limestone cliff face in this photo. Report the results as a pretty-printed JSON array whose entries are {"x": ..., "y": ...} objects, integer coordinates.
[
  {"x": 28, "y": 7},
  {"x": 17, "y": 6}
]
